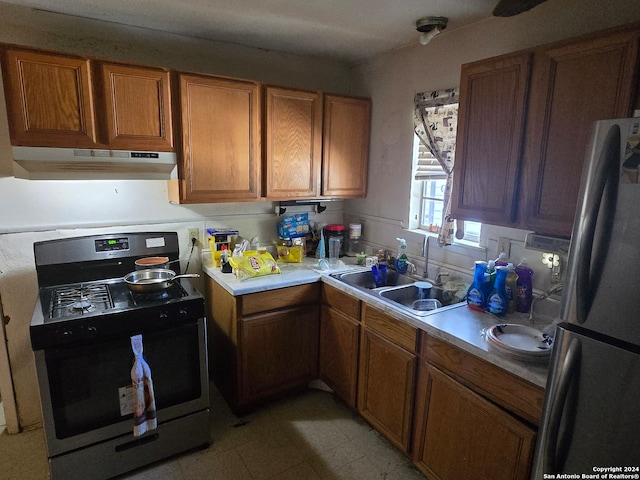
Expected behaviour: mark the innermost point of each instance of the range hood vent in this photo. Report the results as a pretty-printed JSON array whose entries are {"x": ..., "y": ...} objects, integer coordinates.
[{"x": 45, "y": 163}]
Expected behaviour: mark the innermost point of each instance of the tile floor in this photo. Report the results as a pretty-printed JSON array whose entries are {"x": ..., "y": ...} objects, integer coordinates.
[{"x": 307, "y": 436}]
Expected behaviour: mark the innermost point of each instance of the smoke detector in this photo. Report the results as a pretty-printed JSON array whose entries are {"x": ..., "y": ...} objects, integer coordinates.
[{"x": 429, "y": 27}]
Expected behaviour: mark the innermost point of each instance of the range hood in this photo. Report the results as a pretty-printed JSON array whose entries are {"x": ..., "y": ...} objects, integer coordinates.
[{"x": 45, "y": 163}]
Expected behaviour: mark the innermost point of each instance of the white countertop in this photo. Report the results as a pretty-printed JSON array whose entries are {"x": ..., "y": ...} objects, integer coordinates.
[{"x": 459, "y": 325}]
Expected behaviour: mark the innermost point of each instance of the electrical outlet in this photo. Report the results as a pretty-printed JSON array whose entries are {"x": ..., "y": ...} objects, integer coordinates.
[
  {"x": 504, "y": 245},
  {"x": 194, "y": 233}
]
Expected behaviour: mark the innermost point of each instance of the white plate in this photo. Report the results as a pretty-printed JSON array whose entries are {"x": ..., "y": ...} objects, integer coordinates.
[
  {"x": 525, "y": 357},
  {"x": 520, "y": 339}
]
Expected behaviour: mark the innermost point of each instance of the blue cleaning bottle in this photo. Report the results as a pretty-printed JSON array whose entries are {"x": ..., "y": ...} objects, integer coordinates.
[
  {"x": 498, "y": 302},
  {"x": 476, "y": 297}
]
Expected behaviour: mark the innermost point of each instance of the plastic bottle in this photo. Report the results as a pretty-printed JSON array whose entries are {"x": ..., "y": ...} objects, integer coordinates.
[
  {"x": 490, "y": 278},
  {"x": 502, "y": 260},
  {"x": 401, "y": 258},
  {"x": 511, "y": 287},
  {"x": 497, "y": 303},
  {"x": 524, "y": 287},
  {"x": 225, "y": 266},
  {"x": 476, "y": 297},
  {"x": 320, "y": 251},
  {"x": 224, "y": 255}
]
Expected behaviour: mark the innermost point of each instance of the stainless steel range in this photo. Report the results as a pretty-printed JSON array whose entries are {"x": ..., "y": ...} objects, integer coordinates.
[{"x": 81, "y": 333}]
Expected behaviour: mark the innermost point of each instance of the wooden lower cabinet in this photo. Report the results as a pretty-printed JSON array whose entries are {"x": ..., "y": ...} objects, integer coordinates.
[
  {"x": 386, "y": 377},
  {"x": 339, "y": 343},
  {"x": 262, "y": 344},
  {"x": 280, "y": 351},
  {"x": 339, "y": 339},
  {"x": 464, "y": 435},
  {"x": 461, "y": 434}
]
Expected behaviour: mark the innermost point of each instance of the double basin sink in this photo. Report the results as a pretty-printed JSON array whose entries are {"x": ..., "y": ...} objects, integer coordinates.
[{"x": 401, "y": 291}]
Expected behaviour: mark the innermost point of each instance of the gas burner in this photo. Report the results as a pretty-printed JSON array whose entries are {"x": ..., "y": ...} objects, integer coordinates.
[
  {"x": 83, "y": 305},
  {"x": 74, "y": 300},
  {"x": 174, "y": 292}
]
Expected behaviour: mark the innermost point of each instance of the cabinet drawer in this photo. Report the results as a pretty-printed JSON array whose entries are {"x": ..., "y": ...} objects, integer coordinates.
[
  {"x": 401, "y": 333},
  {"x": 511, "y": 392},
  {"x": 280, "y": 298},
  {"x": 342, "y": 302}
]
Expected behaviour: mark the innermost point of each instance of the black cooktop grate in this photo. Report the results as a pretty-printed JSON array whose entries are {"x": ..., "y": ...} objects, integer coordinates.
[{"x": 78, "y": 300}]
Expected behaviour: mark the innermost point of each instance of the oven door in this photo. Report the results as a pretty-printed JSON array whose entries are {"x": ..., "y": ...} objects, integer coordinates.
[{"x": 83, "y": 388}]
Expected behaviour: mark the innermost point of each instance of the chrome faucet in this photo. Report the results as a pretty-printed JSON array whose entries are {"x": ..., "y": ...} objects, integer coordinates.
[
  {"x": 554, "y": 289},
  {"x": 439, "y": 278},
  {"x": 425, "y": 254}
]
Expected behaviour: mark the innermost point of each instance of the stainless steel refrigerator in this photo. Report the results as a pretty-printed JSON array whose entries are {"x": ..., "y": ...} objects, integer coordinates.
[{"x": 591, "y": 414}]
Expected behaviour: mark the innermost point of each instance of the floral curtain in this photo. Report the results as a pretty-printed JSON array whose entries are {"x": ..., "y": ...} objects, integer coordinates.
[{"x": 435, "y": 124}]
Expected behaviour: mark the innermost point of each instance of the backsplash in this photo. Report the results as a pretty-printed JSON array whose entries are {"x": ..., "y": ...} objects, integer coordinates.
[{"x": 457, "y": 259}]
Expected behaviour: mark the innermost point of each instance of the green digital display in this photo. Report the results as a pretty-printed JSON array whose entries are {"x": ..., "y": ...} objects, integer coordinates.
[{"x": 112, "y": 242}]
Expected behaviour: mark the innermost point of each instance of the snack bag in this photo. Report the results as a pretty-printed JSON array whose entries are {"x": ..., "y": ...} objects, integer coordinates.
[
  {"x": 290, "y": 254},
  {"x": 255, "y": 265}
]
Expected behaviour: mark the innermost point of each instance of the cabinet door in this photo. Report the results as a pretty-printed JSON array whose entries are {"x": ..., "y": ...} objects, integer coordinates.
[
  {"x": 386, "y": 380},
  {"x": 339, "y": 340},
  {"x": 279, "y": 352},
  {"x": 345, "y": 155},
  {"x": 491, "y": 124},
  {"x": 293, "y": 143},
  {"x": 220, "y": 157},
  {"x": 49, "y": 100},
  {"x": 573, "y": 85},
  {"x": 137, "y": 107},
  {"x": 462, "y": 435}
]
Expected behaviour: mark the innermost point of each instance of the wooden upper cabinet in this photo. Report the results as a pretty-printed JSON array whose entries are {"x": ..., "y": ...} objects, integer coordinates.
[
  {"x": 492, "y": 107},
  {"x": 293, "y": 143},
  {"x": 345, "y": 153},
  {"x": 220, "y": 148},
  {"x": 49, "y": 99},
  {"x": 137, "y": 107},
  {"x": 525, "y": 122},
  {"x": 57, "y": 100},
  {"x": 572, "y": 86}
]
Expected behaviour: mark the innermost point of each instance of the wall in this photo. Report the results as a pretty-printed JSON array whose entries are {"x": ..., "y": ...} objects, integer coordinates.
[
  {"x": 392, "y": 80},
  {"x": 40, "y": 210}
]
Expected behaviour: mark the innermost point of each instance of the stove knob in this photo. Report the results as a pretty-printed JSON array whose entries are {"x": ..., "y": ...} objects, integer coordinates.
[
  {"x": 163, "y": 315},
  {"x": 91, "y": 331},
  {"x": 183, "y": 313},
  {"x": 66, "y": 335}
]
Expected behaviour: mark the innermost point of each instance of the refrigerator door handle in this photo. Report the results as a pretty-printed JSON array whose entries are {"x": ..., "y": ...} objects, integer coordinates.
[
  {"x": 555, "y": 404},
  {"x": 602, "y": 193}
]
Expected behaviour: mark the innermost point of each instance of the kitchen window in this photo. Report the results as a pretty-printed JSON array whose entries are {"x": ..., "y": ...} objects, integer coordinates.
[
  {"x": 435, "y": 127},
  {"x": 430, "y": 181}
]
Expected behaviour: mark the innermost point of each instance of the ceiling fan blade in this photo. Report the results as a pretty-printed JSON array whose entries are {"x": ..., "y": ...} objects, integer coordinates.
[{"x": 509, "y": 8}]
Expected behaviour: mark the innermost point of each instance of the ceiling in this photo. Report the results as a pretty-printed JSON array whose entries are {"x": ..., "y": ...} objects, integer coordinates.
[{"x": 346, "y": 30}]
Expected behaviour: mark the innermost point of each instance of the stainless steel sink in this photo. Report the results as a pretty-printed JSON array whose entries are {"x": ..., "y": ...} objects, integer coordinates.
[
  {"x": 408, "y": 298},
  {"x": 364, "y": 279},
  {"x": 399, "y": 291}
]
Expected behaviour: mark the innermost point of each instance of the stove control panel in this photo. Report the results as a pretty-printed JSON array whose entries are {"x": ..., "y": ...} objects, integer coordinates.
[{"x": 112, "y": 244}]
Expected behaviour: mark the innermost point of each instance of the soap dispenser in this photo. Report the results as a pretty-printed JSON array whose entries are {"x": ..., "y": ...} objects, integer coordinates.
[{"x": 401, "y": 258}]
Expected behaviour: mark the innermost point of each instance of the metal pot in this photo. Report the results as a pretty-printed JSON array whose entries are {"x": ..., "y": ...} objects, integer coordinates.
[
  {"x": 153, "y": 262},
  {"x": 153, "y": 279}
]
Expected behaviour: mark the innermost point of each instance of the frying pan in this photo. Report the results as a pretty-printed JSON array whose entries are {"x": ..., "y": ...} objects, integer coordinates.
[
  {"x": 153, "y": 279},
  {"x": 153, "y": 262}
]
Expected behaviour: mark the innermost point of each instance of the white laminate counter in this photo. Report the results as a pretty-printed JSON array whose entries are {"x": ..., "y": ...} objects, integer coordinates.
[{"x": 459, "y": 326}]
